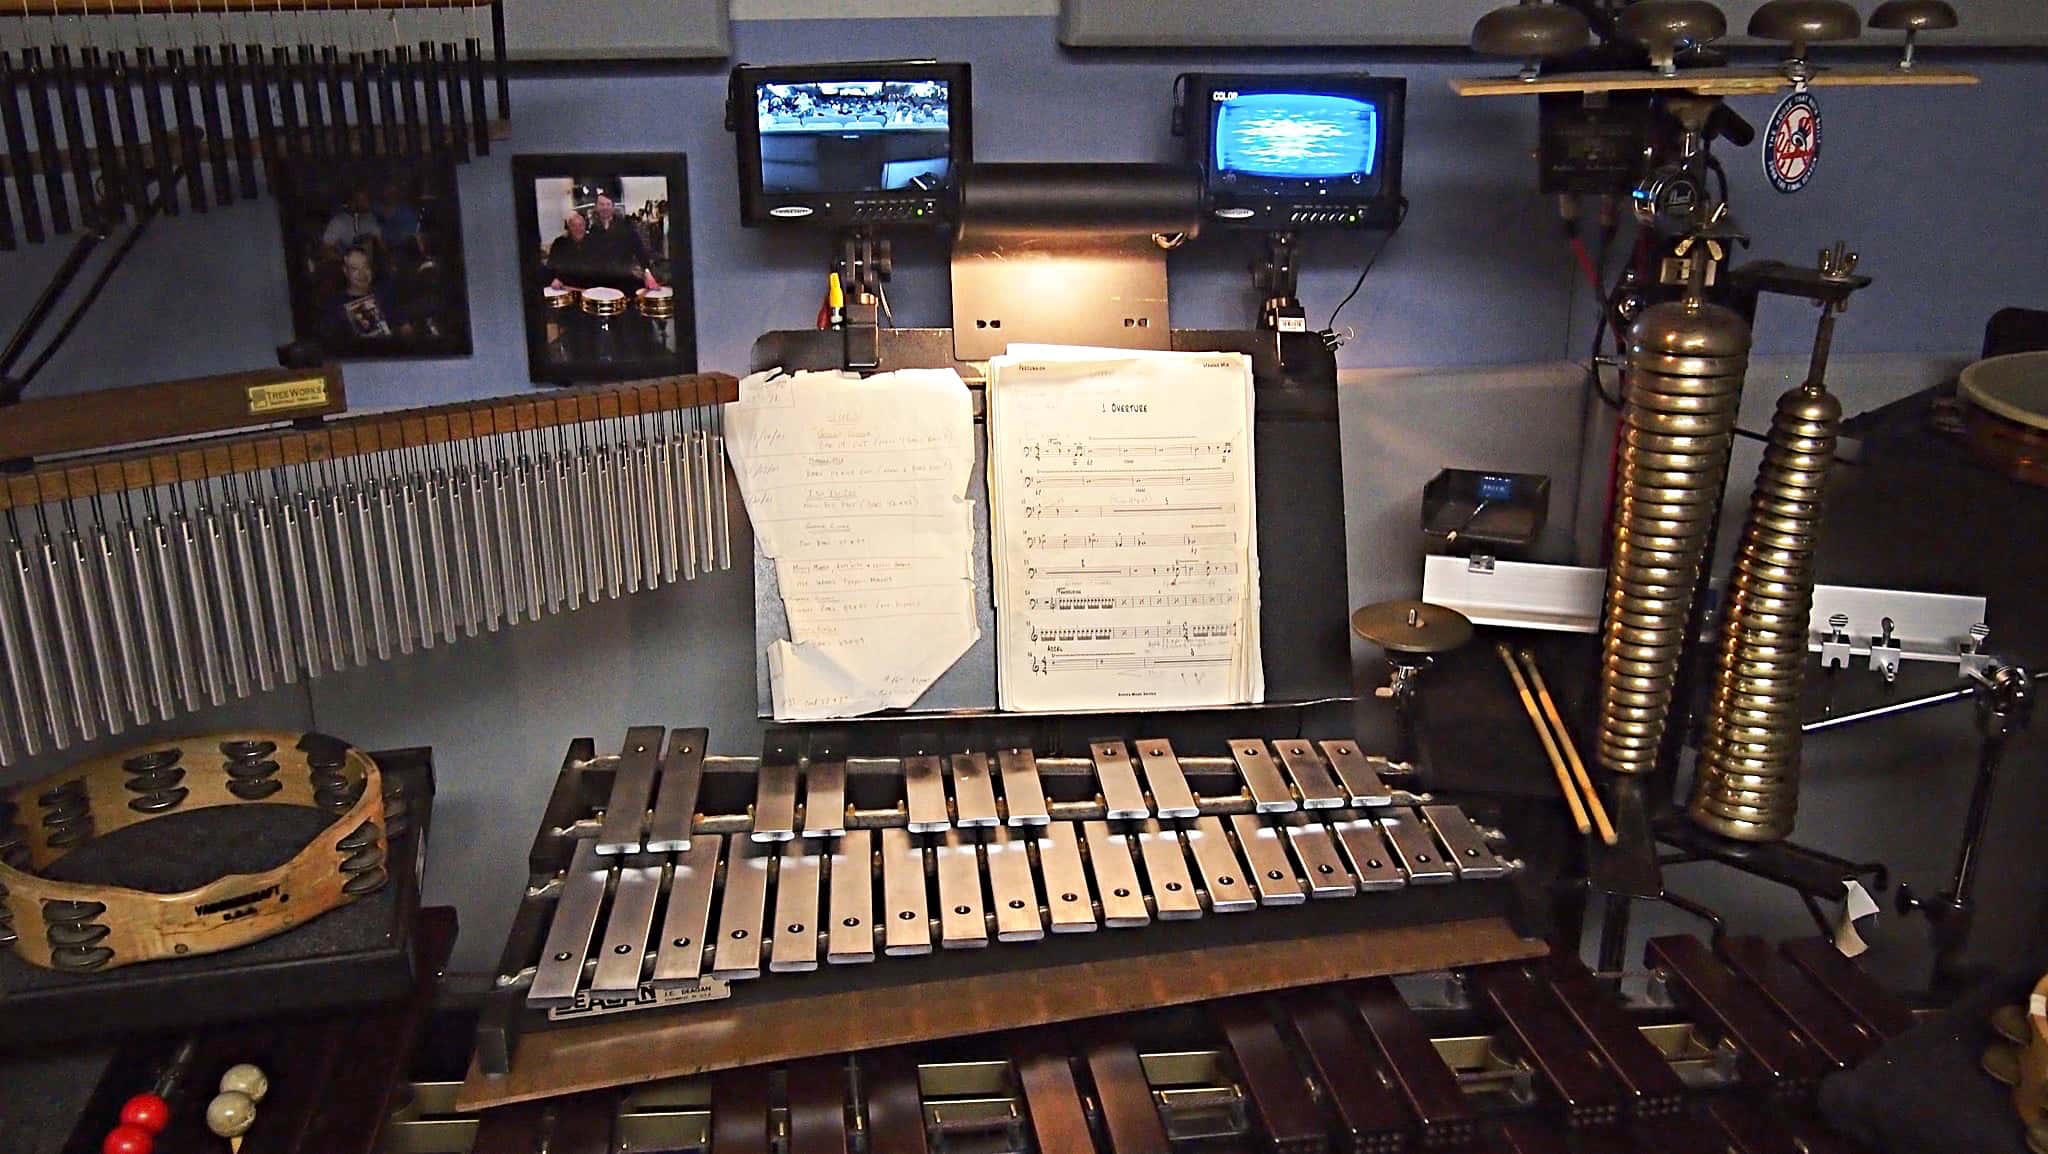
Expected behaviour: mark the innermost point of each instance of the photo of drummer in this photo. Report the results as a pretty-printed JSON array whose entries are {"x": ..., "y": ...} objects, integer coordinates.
[
  {"x": 374, "y": 259},
  {"x": 601, "y": 266}
]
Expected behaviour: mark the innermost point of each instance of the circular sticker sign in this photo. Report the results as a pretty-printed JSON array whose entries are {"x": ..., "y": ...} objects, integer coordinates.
[{"x": 1792, "y": 144}]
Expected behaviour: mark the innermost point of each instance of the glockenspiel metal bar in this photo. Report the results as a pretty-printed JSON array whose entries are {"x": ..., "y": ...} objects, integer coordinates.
[
  {"x": 1013, "y": 891},
  {"x": 1271, "y": 873},
  {"x": 1171, "y": 796},
  {"x": 961, "y": 925},
  {"x": 908, "y": 929},
  {"x": 625, "y": 931},
  {"x": 742, "y": 905},
  {"x": 682, "y": 775},
  {"x": 775, "y": 801},
  {"x": 1116, "y": 877},
  {"x": 679, "y": 959},
  {"x": 1317, "y": 852},
  {"x": 1223, "y": 875},
  {"x": 1415, "y": 849},
  {"x": 1118, "y": 781},
  {"x": 560, "y": 972},
  {"x": 851, "y": 936},
  {"x": 625, "y": 813},
  {"x": 1262, "y": 778},
  {"x": 1464, "y": 846},
  {"x": 1358, "y": 773},
  {"x": 824, "y": 798},
  {"x": 1174, "y": 897},
  {"x": 924, "y": 794},
  {"x": 974, "y": 792},
  {"x": 1311, "y": 780},
  {"x": 1023, "y": 793},
  {"x": 1066, "y": 882},
  {"x": 794, "y": 946},
  {"x": 1365, "y": 849}
]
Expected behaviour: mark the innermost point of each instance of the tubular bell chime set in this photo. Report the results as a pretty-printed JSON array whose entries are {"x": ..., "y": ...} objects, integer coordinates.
[
  {"x": 1686, "y": 361},
  {"x": 145, "y": 102},
  {"x": 140, "y": 585}
]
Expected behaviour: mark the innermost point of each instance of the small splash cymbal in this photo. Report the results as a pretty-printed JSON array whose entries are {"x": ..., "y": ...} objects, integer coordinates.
[{"x": 1411, "y": 626}]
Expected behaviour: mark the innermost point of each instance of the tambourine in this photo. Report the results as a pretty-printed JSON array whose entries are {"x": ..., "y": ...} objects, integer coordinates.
[
  {"x": 657, "y": 304},
  {"x": 604, "y": 302},
  {"x": 81, "y": 927},
  {"x": 558, "y": 298}
]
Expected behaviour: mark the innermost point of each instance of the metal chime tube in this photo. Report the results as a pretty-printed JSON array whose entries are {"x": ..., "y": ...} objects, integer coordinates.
[
  {"x": 178, "y": 597},
  {"x": 1686, "y": 362},
  {"x": 1747, "y": 782}
]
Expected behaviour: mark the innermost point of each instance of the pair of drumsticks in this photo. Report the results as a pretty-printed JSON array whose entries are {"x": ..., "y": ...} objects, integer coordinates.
[{"x": 1574, "y": 783}]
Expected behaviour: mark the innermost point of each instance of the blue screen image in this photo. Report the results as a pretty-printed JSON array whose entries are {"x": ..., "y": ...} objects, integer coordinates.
[{"x": 1295, "y": 135}]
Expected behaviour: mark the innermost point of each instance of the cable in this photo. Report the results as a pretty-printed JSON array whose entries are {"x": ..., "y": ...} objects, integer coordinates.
[{"x": 1329, "y": 330}]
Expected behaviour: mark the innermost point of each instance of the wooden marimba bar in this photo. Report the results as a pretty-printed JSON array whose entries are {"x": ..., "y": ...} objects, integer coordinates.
[{"x": 1538, "y": 1057}]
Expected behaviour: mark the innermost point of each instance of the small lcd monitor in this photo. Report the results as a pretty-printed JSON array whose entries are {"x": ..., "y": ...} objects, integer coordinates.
[
  {"x": 1283, "y": 152},
  {"x": 850, "y": 144}
]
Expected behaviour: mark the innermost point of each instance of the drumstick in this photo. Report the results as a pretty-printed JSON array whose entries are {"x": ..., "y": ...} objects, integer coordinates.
[
  {"x": 1571, "y": 751},
  {"x": 1564, "y": 780}
]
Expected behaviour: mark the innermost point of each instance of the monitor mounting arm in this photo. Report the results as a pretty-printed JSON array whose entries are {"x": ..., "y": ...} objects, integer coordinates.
[{"x": 863, "y": 264}]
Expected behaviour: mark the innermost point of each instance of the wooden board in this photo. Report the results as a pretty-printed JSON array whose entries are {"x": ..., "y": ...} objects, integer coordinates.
[
  {"x": 348, "y": 436},
  {"x": 1706, "y": 81},
  {"x": 40, "y": 427},
  {"x": 717, "y": 1036}
]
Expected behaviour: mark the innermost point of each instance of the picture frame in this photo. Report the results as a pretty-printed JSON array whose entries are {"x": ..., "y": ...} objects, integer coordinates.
[
  {"x": 373, "y": 256},
  {"x": 604, "y": 261}
]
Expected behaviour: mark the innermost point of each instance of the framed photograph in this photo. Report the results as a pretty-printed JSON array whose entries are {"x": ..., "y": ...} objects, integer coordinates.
[
  {"x": 374, "y": 252},
  {"x": 604, "y": 257}
]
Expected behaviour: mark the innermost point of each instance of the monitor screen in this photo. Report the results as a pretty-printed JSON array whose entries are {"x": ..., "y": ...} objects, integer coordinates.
[
  {"x": 1282, "y": 151},
  {"x": 1294, "y": 135},
  {"x": 855, "y": 136}
]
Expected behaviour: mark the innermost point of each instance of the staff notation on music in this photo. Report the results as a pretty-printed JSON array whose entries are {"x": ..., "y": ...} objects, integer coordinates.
[
  {"x": 1173, "y": 571},
  {"x": 1152, "y": 478},
  {"x": 1153, "y": 601},
  {"x": 1184, "y": 631},
  {"x": 1128, "y": 540},
  {"x": 1167, "y": 507},
  {"x": 1148, "y": 448},
  {"x": 1124, "y": 662}
]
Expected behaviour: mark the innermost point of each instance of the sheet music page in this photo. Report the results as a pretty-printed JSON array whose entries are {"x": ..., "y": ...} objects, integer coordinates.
[
  {"x": 1122, "y": 506},
  {"x": 857, "y": 489}
]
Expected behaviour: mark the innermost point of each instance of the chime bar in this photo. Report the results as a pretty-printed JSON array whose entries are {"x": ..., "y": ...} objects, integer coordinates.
[
  {"x": 361, "y": 435},
  {"x": 154, "y": 582},
  {"x": 169, "y": 128}
]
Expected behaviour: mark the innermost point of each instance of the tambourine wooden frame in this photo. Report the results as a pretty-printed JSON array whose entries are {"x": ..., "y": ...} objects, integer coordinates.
[{"x": 232, "y": 910}]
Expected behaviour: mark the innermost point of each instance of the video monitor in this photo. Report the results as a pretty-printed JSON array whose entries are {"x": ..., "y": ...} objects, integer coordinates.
[
  {"x": 1286, "y": 152},
  {"x": 851, "y": 144}
]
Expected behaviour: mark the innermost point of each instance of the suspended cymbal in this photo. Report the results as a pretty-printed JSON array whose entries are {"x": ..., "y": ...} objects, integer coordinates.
[{"x": 1412, "y": 626}]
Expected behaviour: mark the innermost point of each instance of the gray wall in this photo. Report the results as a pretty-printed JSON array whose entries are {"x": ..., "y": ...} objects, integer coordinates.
[{"x": 1938, "y": 189}]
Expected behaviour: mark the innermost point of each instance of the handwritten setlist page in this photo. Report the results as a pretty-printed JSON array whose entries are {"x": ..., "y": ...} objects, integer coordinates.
[
  {"x": 857, "y": 490},
  {"x": 1125, "y": 543}
]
